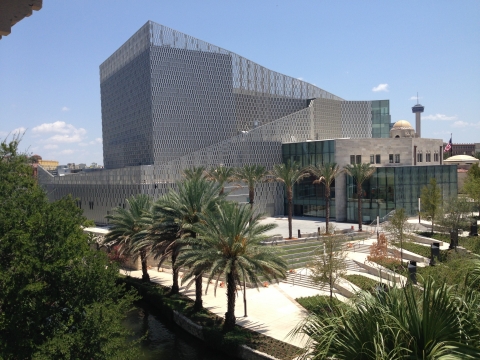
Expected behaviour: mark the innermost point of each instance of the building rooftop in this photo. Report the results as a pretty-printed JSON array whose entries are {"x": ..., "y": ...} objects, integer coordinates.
[
  {"x": 461, "y": 158},
  {"x": 402, "y": 124}
]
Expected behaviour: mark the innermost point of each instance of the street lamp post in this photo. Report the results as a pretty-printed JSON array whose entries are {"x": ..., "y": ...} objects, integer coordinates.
[{"x": 419, "y": 210}]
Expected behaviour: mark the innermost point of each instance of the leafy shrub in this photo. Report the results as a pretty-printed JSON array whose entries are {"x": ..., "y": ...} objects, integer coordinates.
[
  {"x": 318, "y": 304},
  {"x": 362, "y": 282}
]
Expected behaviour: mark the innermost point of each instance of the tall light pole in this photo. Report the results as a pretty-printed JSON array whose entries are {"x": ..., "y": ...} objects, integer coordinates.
[{"x": 419, "y": 210}]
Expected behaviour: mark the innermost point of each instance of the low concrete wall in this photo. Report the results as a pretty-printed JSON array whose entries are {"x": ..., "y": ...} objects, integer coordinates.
[
  {"x": 425, "y": 240},
  {"x": 188, "y": 325},
  {"x": 408, "y": 255},
  {"x": 380, "y": 271},
  {"x": 346, "y": 288},
  {"x": 243, "y": 352}
]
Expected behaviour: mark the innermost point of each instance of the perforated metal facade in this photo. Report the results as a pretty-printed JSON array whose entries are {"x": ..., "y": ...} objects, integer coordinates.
[{"x": 170, "y": 102}]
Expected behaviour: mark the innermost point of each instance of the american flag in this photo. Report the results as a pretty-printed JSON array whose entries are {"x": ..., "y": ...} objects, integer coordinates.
[{"x": 448, "y": 146}]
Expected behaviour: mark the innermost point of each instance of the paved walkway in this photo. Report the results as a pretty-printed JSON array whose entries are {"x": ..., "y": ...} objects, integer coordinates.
[{"x": 272, "y": 311}]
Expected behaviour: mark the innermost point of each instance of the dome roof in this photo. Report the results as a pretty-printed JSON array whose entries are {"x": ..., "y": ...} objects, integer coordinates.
[
  {"x": 461, "y": 158},
  {"x": 402, "y": 124}
]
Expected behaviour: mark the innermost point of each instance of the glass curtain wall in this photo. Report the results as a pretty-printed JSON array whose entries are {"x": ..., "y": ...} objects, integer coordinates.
[
  {"x": 381, "y": 119},
  {"x": 309, "y": 198},
  {"x": 397, "y": 187}
]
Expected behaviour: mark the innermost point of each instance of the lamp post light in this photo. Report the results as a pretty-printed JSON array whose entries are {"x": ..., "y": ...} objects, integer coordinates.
[{"x": 419, "y": 210}]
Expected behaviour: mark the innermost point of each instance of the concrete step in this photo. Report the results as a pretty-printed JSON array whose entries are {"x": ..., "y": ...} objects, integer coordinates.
[
  {"x": 299, "y": 279},
  {"x": 353, "y": 266}
]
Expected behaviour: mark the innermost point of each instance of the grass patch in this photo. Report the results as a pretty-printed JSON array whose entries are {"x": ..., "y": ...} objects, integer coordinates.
[
  {"x": 319, "y": 304},
  {"x": 452, "y": 271},
  {"x": 158, "y": 297},
  {"x": 362, "y": 282},
  {"x": 421, "y": 250}
]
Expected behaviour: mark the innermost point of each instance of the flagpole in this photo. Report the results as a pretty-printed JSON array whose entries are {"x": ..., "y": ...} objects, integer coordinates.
[{"x": 451, "y": 146}]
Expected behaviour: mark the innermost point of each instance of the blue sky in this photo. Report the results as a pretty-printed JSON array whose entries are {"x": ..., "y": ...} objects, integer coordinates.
[{"x": 49, "y": 64}]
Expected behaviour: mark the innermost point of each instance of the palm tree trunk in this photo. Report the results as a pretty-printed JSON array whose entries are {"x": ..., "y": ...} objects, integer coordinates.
[
  {"x": 251, "y": 195},
  {"x": 175, "y": 270},
  {"x": 198, "y": 286},
  {"x": 143, "y": 259},
  {"x": 327, "y": 210},
  {"x": 290, "y": 206},
  {"x": 198, "y": 293},
  {"x": 359, "y": 196},
  {"x": 231, "y": 296}
]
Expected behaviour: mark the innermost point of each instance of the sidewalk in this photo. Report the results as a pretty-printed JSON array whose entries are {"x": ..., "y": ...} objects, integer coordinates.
[{"x": 272, "y": 311}]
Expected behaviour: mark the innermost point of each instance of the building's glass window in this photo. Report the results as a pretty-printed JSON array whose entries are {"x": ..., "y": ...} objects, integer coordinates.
[
  {"x": 390, "y": 158},
  {"x": 397, "y": 158},
  {"x": 352, "y": 159},
  {"x": 435, "y": 156},
  {"x": 359, "y": 159},
  {"x": 428, "y": 157},
  {"x": 372, "y": 159},
  {"x": 419, "y": 157},
  {"x": 377, "y": 159},
  {"x": 396, "y": 187}
]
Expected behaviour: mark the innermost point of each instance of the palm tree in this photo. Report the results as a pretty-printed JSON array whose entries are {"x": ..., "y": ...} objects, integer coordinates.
[
  {"x": 161, "y": 238},
  {"x": 399, "y": 324},
  {"x": 360, "y": 172},
  {"x": 184, "y": 208},
  {"x": 251, "y": 175},
  {"x": 230, "y": 249},
  {"x": 289, "y": 173},
  {"x": 221, "y": 175},
  {"x": 195, "y": 172},
  {"x": 128, "y": 227},
  {"x": 326, "y": 173}
]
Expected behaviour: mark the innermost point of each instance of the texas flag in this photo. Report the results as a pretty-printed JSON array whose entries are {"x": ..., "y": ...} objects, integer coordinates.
[{"x": 448, "y": 146}]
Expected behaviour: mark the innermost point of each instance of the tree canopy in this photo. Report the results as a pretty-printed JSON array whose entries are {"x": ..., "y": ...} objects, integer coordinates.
[{"x": 58, "y": 298}]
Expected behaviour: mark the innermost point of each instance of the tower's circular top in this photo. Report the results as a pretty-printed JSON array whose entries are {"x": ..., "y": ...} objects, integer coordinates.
[{"x": 402, "y": 124}]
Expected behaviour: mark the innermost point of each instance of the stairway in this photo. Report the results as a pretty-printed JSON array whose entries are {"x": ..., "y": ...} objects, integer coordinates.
[{"x": 300, "y": 279}]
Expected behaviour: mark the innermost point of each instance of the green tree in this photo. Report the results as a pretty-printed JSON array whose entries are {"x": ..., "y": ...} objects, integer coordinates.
[
  {"x": 195, "y": 172},
  {"x": 230, "y": 249},
  {"x": 326, "y": 174},
  {"x": 128, "y": 227},
  {"x": 185, "y": 207},
  {"x": 472, "y": 184},
  {"x": 431, "y": 199},
  {"x": 398, "y": 324},
  {"x": 455, "y": 213},
  {"x": 360, "y": 173},
  {"x": 289, "y": 173},
  {"x": 251, "y": 175},
  {"x": 328, "y": 265},
  {"x": 399, "y": 229},
  {"x": 162, "y": 235},
  {"x": 58, "y": 298},
  {"x": 220, "y": 174}
]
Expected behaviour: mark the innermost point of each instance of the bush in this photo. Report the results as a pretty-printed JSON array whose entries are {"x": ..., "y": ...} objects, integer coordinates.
[
  {"x": 362, "y": 282},
  {"x": 319, "y": 304}
]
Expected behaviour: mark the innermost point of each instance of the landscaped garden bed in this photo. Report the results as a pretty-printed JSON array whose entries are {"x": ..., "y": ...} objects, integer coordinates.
[
  {"x": 157, "y": 296},
  {"x": 362, "y": 282},
  {"x": 319, "y": 304}
]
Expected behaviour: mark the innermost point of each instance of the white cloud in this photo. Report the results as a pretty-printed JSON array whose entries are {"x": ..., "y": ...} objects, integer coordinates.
[
  {"x": 460, "y": 124},
  {"x": 380, "y": 87},
  {"x": 65, "y": 108},
  {"x": 464, "y": 124},
  {"x": 64, "y": 133},
  {"x": 441, "y": 117},
  {"x": 50, "y": 146},
  {"x": 66, "y": 152}
]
